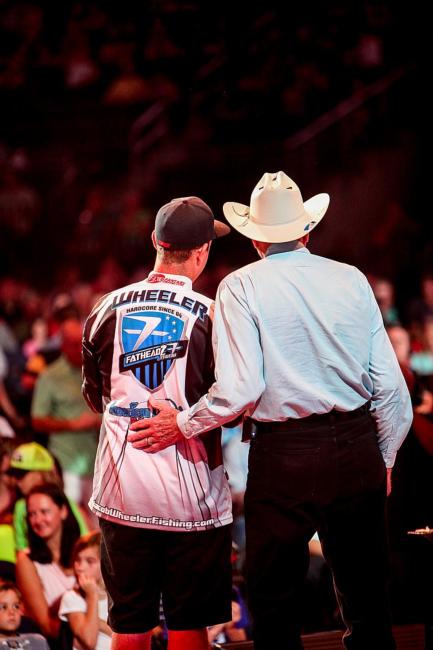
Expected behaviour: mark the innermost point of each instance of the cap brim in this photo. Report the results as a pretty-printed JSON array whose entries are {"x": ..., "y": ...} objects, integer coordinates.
[
  {"x": 221, "y": 228},
  {"x": 17, "y": 472}
]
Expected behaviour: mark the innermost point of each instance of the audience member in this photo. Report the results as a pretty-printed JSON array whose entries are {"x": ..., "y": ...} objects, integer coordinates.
[
  {"x": 10, "y": 620},
  {"x": 422, "y": 308},
  {"x": 7, "y": 500},
  {"x": 410, "y": 505},
  {"x": 59, "y": 410},
  {"x": 384, "y": 293},
  {"x": 6, "y": 405},
  {"x": 39, "y": 338},
  {"x": 7, "y": 492},
  {"x": 45, "y": 572},
  {"x": 228, "y": 631},
  {"x": 85, "y": 607},
  {"x": 422, "y": 356},
  {"x": 32, "y": 465}
]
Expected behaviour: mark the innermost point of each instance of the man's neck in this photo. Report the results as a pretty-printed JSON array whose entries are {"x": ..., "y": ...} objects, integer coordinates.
[
  {"x": 284, "y": 247},
  {"x": 173, "y": 269}
]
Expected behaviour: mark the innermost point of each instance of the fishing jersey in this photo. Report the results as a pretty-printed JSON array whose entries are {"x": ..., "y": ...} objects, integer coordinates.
[{"x": 153, "y": 338}]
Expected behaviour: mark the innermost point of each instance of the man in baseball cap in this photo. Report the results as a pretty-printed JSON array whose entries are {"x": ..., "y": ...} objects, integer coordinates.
[
  {"x": 187, "y": 223},
  {"x": 153, "y": 338}
]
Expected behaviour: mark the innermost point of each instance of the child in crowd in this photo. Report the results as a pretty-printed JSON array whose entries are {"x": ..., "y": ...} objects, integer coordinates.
[
  {"x": 10, "y": 619},
  {"x": 85, "y": 607}
]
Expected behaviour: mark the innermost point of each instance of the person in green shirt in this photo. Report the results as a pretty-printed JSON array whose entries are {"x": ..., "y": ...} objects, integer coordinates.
[
  {"x": 59, "y": 409},
  {"x": 32, "y": 465}
]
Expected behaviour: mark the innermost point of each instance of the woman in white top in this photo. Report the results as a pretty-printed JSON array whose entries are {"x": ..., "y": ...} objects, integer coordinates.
[
  {"x": 44, "y": 572},
  {"x": 85, "y": 607}
]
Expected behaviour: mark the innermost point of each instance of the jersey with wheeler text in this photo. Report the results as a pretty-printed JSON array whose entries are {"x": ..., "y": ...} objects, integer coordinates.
[{"x": 153, "y": 338}]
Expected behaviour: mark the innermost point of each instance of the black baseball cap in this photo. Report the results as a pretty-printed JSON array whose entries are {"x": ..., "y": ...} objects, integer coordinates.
[{"x": 186, "y": 223}]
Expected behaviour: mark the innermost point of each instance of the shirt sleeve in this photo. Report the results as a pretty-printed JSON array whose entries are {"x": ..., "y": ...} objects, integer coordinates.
[
  {"x": 239, "y": 380},
  {"x": 92, "y": 380},
  {"x": 78, "y": 516},
  {"x": 391, "y": 405},
  {"x": 71, "y": 602},
  {"x": 42, "y": 398},
  {"x": 20, "y": 525}
]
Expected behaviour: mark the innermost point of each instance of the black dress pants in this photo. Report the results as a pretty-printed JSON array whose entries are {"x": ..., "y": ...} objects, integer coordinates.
[{"x": 321, "y": 473}]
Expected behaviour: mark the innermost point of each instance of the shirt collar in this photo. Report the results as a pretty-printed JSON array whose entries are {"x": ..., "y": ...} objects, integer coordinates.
[
  {"x": 286, "y": 247},
  {"x": 174, "y": 281}
]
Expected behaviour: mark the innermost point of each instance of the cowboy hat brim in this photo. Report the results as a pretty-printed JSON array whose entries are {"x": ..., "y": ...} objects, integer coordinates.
[{"x": 239, "y": 217}]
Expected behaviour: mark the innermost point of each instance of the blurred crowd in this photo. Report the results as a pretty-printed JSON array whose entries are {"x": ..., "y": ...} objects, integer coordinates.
[
  {"x": 162, "y": 51},
  {"x": 48, "y": 436},
  {"x": 110, "y": 109}
]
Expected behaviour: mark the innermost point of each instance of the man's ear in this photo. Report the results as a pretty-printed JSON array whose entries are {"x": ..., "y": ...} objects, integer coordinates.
[
  {"x": 154, "y": 239},
  {"x": 204, "y": 249}
]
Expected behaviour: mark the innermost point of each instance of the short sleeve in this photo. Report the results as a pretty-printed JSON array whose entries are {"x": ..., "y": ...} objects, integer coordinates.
[
  {"x": 3, "y": 365},
  {"x": 71, "y": 602},
  {"x": 41, "y": 402}
]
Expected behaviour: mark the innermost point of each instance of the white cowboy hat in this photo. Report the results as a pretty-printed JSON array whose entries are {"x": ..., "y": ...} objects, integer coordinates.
[{"x": 277, "y": 212}]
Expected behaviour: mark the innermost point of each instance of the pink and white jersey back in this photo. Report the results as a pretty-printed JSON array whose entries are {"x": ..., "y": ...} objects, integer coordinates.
[{"x": 153, "y": 338}]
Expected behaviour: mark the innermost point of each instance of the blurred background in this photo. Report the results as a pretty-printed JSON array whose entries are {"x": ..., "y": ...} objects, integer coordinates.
[{"x": 110, "y": 109}]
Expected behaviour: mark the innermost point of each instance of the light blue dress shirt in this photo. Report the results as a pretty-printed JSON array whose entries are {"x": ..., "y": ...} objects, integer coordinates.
[{"x": 297, "y": 334}]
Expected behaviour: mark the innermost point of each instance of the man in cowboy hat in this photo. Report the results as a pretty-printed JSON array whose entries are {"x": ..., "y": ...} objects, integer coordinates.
[{"x": 301, "y": 349}]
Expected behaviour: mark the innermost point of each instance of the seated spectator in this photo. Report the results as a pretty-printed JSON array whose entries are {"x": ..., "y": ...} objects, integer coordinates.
[
  {"x": 6, "y": 430},
  {"x": 10, "y": 620},
  {"x": 319, "y": 606},
  {"x": 39, "y": 338},
  {"x": 6, "y": 405},
  {"x": 228, "y": 631},
  {"x": 422, "y": 359},
  {"x": 409, "y": 505},
  {"x": 235, "y": 454},
  {"x": 384, "y": 293},
  {"x": 32, "y": 465},
  {"x": 7, "y": 492},
  {"x": 7, "y": 501},
  {"x": 59, "y": 410},
  {"x": 85, "y": 607},
  {"x": 45, "y": 572},
  {"x": 422, "y": 308}
]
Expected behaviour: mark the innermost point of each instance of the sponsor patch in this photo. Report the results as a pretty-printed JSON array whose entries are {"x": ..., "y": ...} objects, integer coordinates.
[{"x": 151, "y": 342}]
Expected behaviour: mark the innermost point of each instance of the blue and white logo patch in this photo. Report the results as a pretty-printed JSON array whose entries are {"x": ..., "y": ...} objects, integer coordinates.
[{"x": 151, "y": 342}]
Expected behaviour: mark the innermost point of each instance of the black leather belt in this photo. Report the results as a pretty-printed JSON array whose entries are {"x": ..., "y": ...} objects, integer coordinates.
[{"x": 309, "y": 420}]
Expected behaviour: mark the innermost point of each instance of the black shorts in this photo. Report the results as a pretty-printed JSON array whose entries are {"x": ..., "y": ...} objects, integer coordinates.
[{"x": 190, "y": 570}]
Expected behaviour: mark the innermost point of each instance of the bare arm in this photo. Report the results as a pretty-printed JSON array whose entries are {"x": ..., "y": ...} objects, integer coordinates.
[
  {"x": 35, "y": 603},
  {"x": 48, "y": 424},
  {"x": 8, "y": 407},
  {"x": 105, "y": 628},
  {"x": 85, "y": 625}
]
